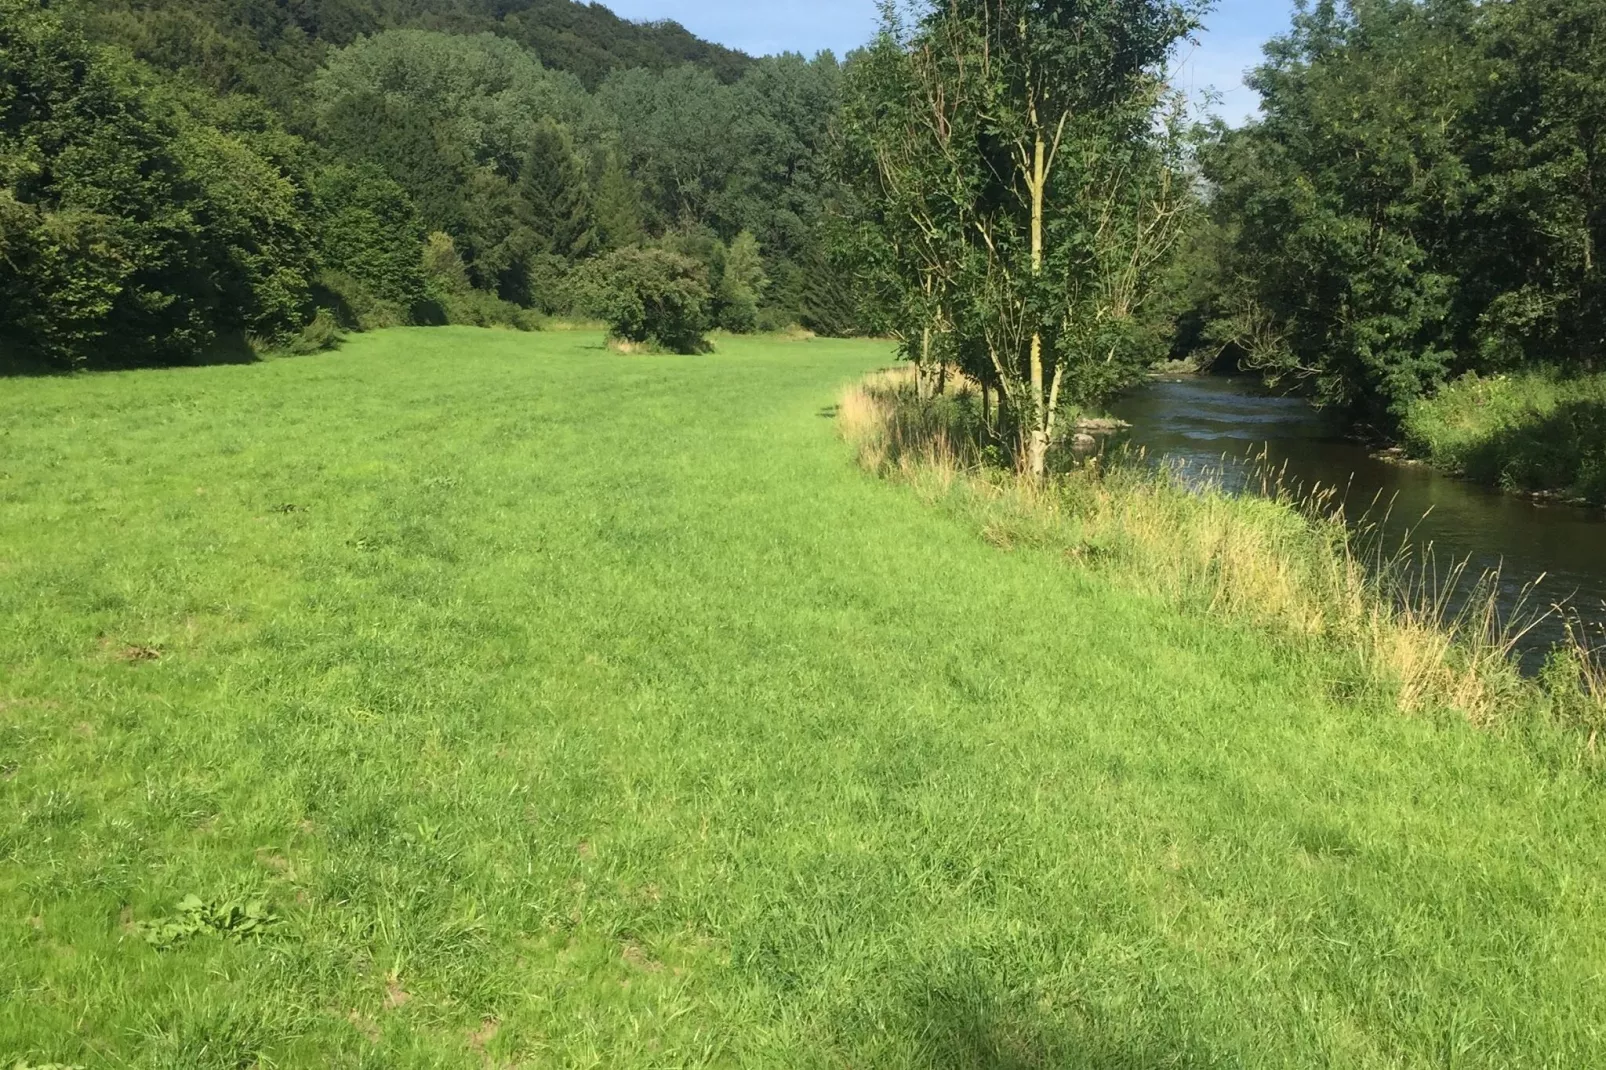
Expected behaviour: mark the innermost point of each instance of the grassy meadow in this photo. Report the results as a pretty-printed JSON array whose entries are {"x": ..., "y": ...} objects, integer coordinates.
[
  {"x": 470, "y": 698},
  {"x": 1534, "y": 431}
]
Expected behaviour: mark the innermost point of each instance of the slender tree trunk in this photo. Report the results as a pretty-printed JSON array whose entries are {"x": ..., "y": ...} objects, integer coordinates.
[
  {"x": 923, "y": 372},
  {"x": 1037, "y": 443}
]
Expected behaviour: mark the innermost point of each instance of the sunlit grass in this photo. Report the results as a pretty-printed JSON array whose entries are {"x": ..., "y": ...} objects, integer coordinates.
[
  {"x": 1533, "y": 431},
  {"x": 504, "y": 701}
]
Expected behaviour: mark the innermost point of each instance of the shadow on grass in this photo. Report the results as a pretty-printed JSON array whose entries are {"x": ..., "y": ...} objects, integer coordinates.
[
  {"x": 965, "y": 1031},
  {"x": 16, "y": 362},
  {"x": 1562, "y": 450}
]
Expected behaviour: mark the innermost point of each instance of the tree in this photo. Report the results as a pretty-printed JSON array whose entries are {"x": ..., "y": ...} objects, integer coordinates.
[
  {"x": 652, "y": 296},
  {"x": 676, "y": 134},
  {"x": 617, "y": 204},
  {"x": 741, "y": 285},
  {"x": 1023, "y": 197},
  {"x": 399, "y": 138},
  {"x": 370, "y": 235},
  {"x": 903, "y": 153},
  {"x": 1337, "y": 199},
  {"x": 1424, "y": 195},
  {"x": 484, "y": 95},
  {"x": 553, "y": 185}
]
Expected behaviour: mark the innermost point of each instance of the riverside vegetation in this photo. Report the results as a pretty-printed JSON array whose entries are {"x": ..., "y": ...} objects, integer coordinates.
[
  {"x": 474, "y": 697},
  {"x": 1533, "y": 431}
]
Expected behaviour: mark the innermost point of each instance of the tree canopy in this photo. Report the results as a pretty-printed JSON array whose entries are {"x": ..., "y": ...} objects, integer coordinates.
[{"x": 1424, "y": 195}]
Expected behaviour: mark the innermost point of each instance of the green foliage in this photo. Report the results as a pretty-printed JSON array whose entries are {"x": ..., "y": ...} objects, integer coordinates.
[
  {"x": 127, "y": 215},
  {"x": 1423, "y": 197},
  {"x": 652, "y": 296},
  {"x": 476, "y": 308},
  {"x": 399, "y": 139},
  {"x": 353, "y": 305},
  {"x": 269, "y": 48},
  {"x": 443, "y": 267},
  {"x": 371, "y": 234},
  {"x": 677, "y": 134},
  {"x": 323, "y": 332},
  {"x": 483, "y": 95},
  {"x": 553, "y": 186},
  {"x": 195, "y": 916},
  {"x": 617, "y": 205},
  {"x": 1537, "y": 430},
  {"x": 742, "y": 283}
]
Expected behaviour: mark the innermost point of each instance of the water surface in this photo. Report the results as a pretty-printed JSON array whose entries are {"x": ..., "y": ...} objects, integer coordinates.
[{"x": 1220, "y": 424}]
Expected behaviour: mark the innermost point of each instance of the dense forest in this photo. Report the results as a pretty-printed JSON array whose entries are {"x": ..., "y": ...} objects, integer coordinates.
[{"x": 182, "y": 179}]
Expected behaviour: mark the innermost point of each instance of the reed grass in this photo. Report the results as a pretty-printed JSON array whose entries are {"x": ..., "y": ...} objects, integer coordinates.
[{"x": 1282, "y": 556}]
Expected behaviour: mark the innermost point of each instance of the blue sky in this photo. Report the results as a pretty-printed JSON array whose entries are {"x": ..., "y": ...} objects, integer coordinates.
[{"x": 1231, "y": 42}]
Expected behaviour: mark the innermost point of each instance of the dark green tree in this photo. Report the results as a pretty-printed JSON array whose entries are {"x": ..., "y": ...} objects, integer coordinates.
[
  {"x": 370, "y": 235},
  {"x": 557, "y": 198},
  {"x": 617, "y": 205}
]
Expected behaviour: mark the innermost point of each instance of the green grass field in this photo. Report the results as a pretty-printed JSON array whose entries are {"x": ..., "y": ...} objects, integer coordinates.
[{"x": 568, "y": 709}]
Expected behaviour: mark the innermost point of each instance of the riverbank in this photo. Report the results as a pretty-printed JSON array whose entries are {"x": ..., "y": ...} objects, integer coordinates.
[
  {"x": 567, "y": 709},
  {"x": 1280, "y": 558},
  {"x": 1533, "y": 432}
]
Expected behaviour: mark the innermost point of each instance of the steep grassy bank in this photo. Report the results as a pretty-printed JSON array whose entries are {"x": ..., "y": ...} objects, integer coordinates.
[
  {"x": 567, "y": 709},
  {"x": 1533, "y": 431}
]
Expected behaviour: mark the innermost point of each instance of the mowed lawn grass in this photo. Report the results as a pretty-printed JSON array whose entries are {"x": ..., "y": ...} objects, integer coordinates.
[{"x": 575, "y": 709}]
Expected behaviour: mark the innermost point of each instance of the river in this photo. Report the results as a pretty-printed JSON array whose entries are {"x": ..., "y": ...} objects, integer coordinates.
[{"x": 1219, "y": 424}]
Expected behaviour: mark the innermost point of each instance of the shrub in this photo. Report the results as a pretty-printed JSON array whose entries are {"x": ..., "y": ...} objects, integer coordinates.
[
  {"x": 652, "y": 297},
  {"x": 354, "y": 305},
  {"x": 321, "y": 334},
  {"x": 476, "y": 308},
  {"x": 1538, "y": 430}
]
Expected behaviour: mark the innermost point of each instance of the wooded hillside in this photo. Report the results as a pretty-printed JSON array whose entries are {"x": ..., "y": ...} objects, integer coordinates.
[{"x": 181, "y": 178}]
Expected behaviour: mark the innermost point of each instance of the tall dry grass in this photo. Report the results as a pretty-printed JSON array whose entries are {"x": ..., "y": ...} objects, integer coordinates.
[{"x": 1283, "y": 559}]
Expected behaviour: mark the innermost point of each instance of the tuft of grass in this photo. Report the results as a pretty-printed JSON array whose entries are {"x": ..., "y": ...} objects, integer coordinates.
[
  {"x": 570, "y": 710},
  {"x": 1535, "y": 431}
]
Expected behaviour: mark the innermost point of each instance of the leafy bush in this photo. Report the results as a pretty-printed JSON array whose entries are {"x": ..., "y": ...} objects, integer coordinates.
[
  {"x": 354, "y": 305},
  {"x": 652, "y": 297}
]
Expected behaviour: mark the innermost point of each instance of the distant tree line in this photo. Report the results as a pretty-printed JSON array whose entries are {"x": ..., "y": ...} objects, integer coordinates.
[
  {"x": 1423, "y": 196},
  {"x": 197, "y": 174}
]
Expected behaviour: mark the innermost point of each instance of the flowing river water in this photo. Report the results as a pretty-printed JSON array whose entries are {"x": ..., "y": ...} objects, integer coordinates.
[{"x": 1219, "y": 425}]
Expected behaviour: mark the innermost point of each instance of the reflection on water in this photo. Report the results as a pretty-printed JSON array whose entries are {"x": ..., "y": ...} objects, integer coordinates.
[{"x": 1220, "y": 424}]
